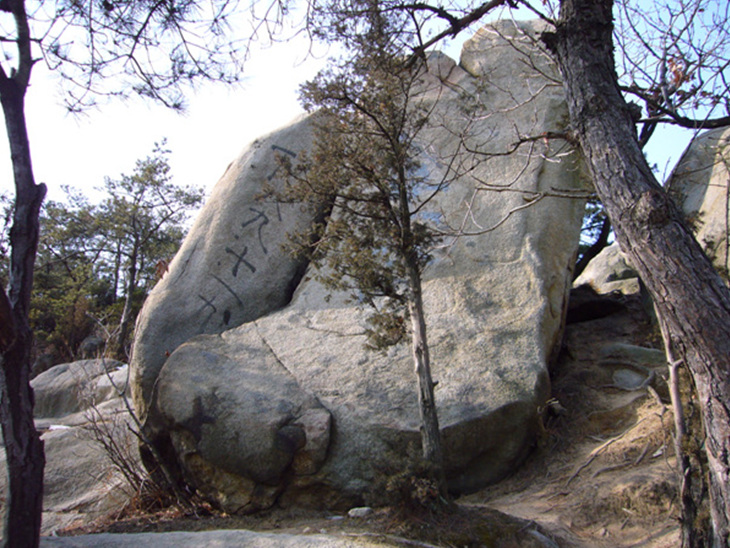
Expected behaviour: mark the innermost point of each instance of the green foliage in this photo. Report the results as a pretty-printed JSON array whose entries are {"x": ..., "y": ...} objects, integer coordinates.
[
  {"x": 365, "y": 161},
  {"x": 96, "y": 261},
  {"x": 62, "y": 301},
  {"x": 143, "y": 218}
]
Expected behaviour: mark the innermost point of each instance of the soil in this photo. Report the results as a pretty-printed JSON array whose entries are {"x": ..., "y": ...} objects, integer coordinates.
[{"x": 602, "y": 474}]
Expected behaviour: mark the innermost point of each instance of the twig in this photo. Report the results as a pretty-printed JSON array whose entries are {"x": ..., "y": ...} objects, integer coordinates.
[
  {"x": 600, "y": 448},
  {"x": 643, "y": 453},
  {"x": 656, "y": 396},
  {"x": 610, "y": 468},
  {"x": 180, "y": 495}
]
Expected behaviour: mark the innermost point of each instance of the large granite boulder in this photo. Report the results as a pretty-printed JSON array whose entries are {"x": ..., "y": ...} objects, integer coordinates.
[
  {"x": 700, "y": 185},
  {"x": 230, "y": 268},
  {"x": 289, "y": 406}
]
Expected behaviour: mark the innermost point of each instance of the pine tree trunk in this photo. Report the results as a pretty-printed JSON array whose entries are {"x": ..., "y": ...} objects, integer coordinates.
[
  {"x": 433, "y": 453},
  {"x": 23, "y": 446},
  {"x": 126, "y": 320},
  {"x": 690, "y": 297}
]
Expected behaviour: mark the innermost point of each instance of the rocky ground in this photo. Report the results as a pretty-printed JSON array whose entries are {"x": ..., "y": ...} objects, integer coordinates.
[{"x": 602, "y": 475}]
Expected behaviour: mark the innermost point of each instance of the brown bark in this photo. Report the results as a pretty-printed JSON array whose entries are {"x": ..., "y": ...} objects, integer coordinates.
[
  {"x": 689, "y": 507},
  {"x": 125, "y": 321},
  {"x": 431, "y": 443},
  {"x": 690, "y": 297},
  {"x": 23, "y": 446},
  {"x": 433, "y": 453}
]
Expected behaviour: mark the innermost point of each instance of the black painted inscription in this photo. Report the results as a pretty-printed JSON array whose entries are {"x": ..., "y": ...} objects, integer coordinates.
[
  {"x": 240, "y": 260},
  {"x": 263, "y": 220},
  {"x": 213, "y": 310},
  {"x": 239, "y": 254}
]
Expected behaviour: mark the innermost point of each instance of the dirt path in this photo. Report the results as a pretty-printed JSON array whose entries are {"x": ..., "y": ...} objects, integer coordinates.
[{"x": 604, "y": 472}]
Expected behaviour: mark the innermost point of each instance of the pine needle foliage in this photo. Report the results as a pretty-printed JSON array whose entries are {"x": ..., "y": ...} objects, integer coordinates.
[
  {"x": 365, "y": 161},
  {"x": 370, "y": 110}
]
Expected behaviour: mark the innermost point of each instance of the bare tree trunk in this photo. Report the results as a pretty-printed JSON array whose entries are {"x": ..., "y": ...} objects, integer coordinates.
[
  {"x": 125, "y": 321},
  {"x": 691, "y": 537},
  {"x": 433, "y": 453},
  {"x": 23, "y": 446},
  {"x": 690, "y": 297}
]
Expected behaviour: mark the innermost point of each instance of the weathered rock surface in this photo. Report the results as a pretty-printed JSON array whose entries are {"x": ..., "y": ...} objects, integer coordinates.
[
  {"x": 289, "y": 406},
  {"x": 70, "y": 387},
  {"x": 633, "y": 367},
  {"x": 80, "y": 484},
  {"x": 240, "y": 417},
  {"x": 230, "y": 268},
  {"x": 700, "y": 185},
  {"x": 211, "y": 539},
  {"x": 609, "y": 271}
]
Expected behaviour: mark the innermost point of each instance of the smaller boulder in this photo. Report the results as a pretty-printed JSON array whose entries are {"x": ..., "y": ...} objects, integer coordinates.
[
  {"x": 699, "y": 185},
  {"x": 238, "y": 420},
  {"x": 75, "y": 404},
  {"x": 610, "y": 271},
  {"x": 92, "y": 347},
  {"x": 71, "y": 387}
]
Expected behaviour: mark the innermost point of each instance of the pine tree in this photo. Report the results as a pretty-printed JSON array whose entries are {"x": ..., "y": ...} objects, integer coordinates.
[{"x": 365, "y": 162}]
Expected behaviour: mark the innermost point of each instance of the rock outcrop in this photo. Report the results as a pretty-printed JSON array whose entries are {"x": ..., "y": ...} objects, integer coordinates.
[
  {"x": 287, "y": 405},
  {"x": 221, "y": 539},
  {"x": 230, "y": 268},
  {"x": 700, "y": 185},
  {"x": 80, "y": 483},
  {"x": 609, "y": 271}
]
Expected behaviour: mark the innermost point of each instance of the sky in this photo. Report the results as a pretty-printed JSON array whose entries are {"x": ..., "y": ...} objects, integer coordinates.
[{"x": 81, "y": 150}]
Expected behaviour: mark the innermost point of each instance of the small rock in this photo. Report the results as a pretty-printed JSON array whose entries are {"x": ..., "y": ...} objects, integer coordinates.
[
  {"x": 360, "y": 512},
  {"x": 628, "y": 379}
]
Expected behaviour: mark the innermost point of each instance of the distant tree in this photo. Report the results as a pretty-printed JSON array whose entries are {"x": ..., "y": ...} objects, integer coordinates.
[
  {"x": 68, "y": 255},
  {"x": 88, "y": 251},
  {"x": 594, "y": 235},
  {"x": 6, "y": 217},
  {"x": 142, "y": 223},
  {"x": 365, "y": 160},
  {"x": 98, "y": 48}
]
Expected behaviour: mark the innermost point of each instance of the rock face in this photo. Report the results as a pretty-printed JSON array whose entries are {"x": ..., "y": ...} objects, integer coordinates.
[
  {"x": 699, "y": 184},
  {"x": 287, "y": 405},
  {"x": 80, "y": 483},
  {"x": 240, "y": 419},
  {"x": 609, "y": 271},
  {"x": 230, "y": 268}
]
